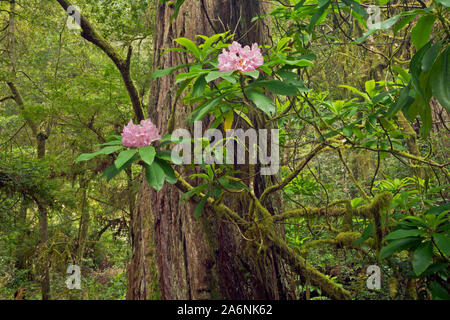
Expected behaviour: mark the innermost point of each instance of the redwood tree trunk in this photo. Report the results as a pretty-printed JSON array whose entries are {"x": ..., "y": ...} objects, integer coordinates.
[{"x": 203, "y": 258}]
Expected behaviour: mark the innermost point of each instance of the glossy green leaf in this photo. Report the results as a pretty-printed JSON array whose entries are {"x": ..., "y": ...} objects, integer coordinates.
[
  {"x": 439, "y": 209},
  {"x": 282, "y": 43},
  {"x": 420, "y": 34},
  {"x": 430, "y": 56},
  {"x": 356, "y": 7},
  {"x": 348, "y": 131},
  {"x": 370, "y": 87},
  {"x": 403, "y": 22},
  {"x": 442, "y": 241},
  {"x": 199, "y": 207},
  {"x": 445, "y": 3},
  {"x": 366, "y": 234},
  {"x": 168, "y": 170},
  {"x": 398, "y": 245},
  {"x": 147, "y": 154},
  {"x": 354, "y": 90},
  {"x": 299, "y": 4},
  {"x": 298, "y": 63},
  {"x": 278, "y": 87},
  {"x": 176, "y": 9},
  {"x": 155, "y": 175},
  {"x": 415, "y": 68},
  {"x": 208, "y": 43},
  {"x": 440, "y": 79},
  {"x": 112, "y": 171},
  {"x": 261, "y": 101},
  {"x": 123, "y": 157},
  {"x": 438, "y": 292},
  {"x": 384, "y": 25},
  {"x": 190, "y": 45},
  {"x": 434, "y": 268},
  {"x": 254, "y": 74},
  {"x": 199, "y": 87},
  {"x": 318, "y": 14},
  {"x": 165, "y": 72},
  {"x": 422, "y": 257},
  {"x": 213, "y": 75},
  {"x": 106, "y": 150},
  {"x": 403, "y": 233},
  {"x": 201, "y": 111}
]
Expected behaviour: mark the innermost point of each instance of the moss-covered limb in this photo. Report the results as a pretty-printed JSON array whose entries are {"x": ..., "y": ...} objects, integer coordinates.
[
  {"x": 343, "y": 239},
  {"x": 265, "y": 214},
  {"x": 6, "y": 98},
  {"x": 297, "y": 262},
  {"x": 264, "y": 230},
  {"x": 346, "y": 238},
  {"x": 379, "y": 203},
  {"x": 294, "y": 174},
  {"x": 318, "y": 279},
  {"x": 347, "y": 222},
  {"x": 320, "y": 242},
  {"x": 352, "y": 176},
  {"x": 373, "y": 211},
  {"x": 220, "y": 208},
  {"x": 302, "y": 212},
  {"x": 330, "y": 228},
  {"x": 91, "y": 35}
]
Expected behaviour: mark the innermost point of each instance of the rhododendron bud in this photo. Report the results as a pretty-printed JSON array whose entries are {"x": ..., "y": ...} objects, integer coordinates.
[
  {"x": 139, "y": 135},
  {"x": 238, "y": 58}
]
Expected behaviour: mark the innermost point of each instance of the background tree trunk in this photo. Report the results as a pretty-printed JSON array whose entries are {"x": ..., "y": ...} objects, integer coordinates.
[
  {"x": 203, "y": 258},
  {"x": 40, "y": 137},
  {"x": 85, "y": 219}
]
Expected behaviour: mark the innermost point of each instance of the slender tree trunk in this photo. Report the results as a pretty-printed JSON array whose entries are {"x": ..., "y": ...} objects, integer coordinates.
[
  {"x": 85, "y": 219},
  {"x": 43, "y": 223},
  {"x": 40, "y": 140},
  {"x": 203, "y": 258},
  {"x": 43, "y": 234},
  {"x": 21, "y": 223}
]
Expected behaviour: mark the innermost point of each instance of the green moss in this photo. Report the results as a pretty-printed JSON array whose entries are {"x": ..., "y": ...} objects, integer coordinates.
[{"x": 346, "y": 238}]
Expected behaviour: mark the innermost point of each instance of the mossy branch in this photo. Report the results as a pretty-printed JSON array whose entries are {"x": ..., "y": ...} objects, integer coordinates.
[
  {"x": 318, "y": 279},
  {"x": 302, "y": 212},
  {"x": 19, "y": 101},
  {"x": 298, "y": 263}
]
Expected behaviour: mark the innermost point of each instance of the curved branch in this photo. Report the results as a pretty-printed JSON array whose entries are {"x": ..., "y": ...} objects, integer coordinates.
[
  {"x": 293, "y": 175},
  {"x": 90, "y": 34}
]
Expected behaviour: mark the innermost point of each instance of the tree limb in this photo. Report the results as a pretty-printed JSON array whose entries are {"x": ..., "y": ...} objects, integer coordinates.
[
  {"x": 6, "y": 98},
  {"x": 294, "y": 174},
  {"x": 90, "y": 34}
]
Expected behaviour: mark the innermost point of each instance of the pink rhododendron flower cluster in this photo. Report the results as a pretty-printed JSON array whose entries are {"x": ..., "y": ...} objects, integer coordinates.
[
  {"x": 135, "y": 135},
  {"x": 238, "y": 58}
]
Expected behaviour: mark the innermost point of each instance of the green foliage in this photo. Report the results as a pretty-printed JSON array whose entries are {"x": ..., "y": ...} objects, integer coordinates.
[
  {"x": 157, "y": 167},
  {"x": 428, "y": 239},
  {"x": 327, "y": 78}
]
